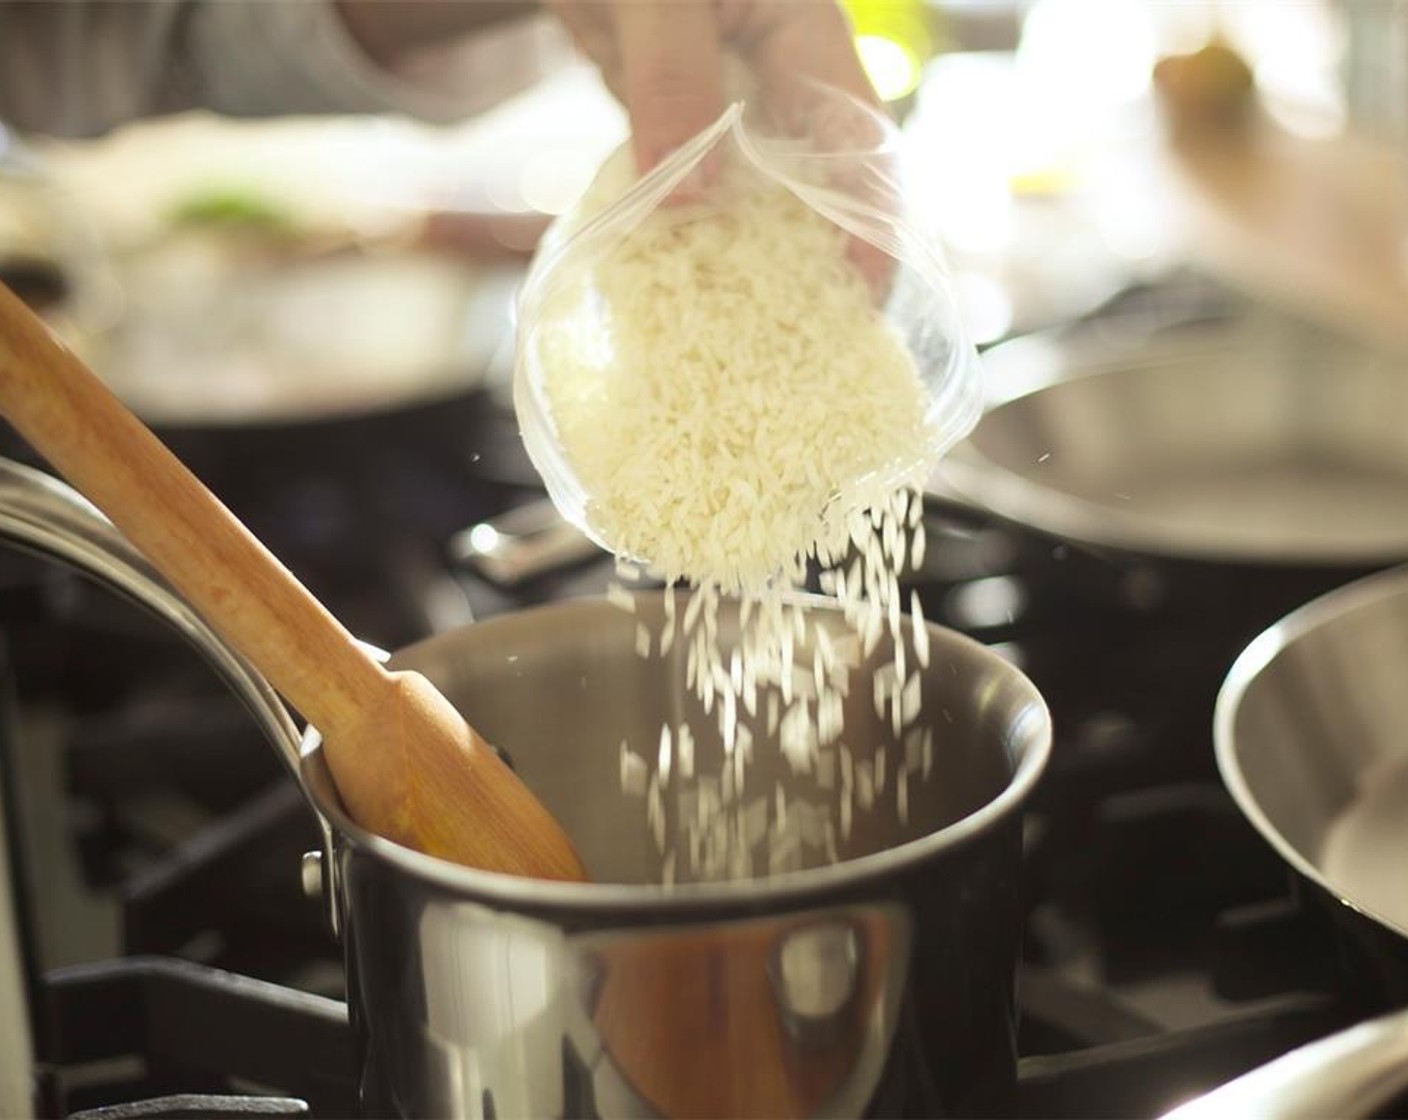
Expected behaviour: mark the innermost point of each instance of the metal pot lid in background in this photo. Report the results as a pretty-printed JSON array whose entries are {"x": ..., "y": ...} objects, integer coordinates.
[{"x": 1260, "y": 440}]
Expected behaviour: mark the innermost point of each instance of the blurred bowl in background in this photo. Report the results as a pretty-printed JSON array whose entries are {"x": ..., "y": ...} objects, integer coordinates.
[{"x": 50, "y": 254}]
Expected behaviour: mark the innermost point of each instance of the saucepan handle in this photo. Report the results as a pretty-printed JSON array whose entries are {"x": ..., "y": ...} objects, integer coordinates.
[
  {"x": 1353, "y": 1073},
  {"x": 41, "y": 515}
]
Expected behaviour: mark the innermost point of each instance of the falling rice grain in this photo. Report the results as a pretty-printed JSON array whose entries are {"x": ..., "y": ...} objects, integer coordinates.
[
  {"x": 911, "y": 698},
  {"x": 633, "y": 771},
  {"x": 691, "y": 611},
  {"x": 664, "y": 756},
  {"x": 685, "y": 741},
  {"x": 797, "y": 740},
  {"x": 618, "y": 596},
  {"x": 730, "y": 722},
  {"x": 897, "y": 720},
  {"x": 655, "y": 813},
  {"x": 913, "y": 748},
  {"x": 874, "y": 626},
  {"x": 919, "y": 630}
]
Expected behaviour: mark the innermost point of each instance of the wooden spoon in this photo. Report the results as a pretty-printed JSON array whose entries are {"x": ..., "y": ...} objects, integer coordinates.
[{"x": 406, "y": 764}]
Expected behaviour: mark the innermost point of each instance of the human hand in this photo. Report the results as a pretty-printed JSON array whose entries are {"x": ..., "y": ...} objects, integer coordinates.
[{"x": 664, "y": 58}]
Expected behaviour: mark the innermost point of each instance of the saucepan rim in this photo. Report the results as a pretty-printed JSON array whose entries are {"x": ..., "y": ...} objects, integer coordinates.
[{"x": 517, "y": 892}]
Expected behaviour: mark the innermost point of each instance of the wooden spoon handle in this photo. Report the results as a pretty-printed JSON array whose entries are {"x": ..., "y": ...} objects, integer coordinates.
[{"x": 252, "y": 600}]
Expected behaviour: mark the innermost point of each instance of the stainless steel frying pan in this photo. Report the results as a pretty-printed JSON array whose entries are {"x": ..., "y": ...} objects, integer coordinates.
[
  {"x": 1311, "y": 742},
  {"x": 1311, "y": 733},
  {"x": 1260, "y": 440}
]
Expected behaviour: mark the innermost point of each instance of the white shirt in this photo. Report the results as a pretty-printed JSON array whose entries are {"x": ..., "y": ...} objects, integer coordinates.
[{"x": 81, "y": 67}]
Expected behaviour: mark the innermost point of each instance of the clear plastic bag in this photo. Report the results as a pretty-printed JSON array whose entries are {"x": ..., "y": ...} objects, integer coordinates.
[{"x": 575, "y": 378}]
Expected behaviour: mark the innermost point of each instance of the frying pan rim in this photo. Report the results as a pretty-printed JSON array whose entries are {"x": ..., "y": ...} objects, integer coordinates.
[
  {"x": 754, "y": 893},
  {"x": 985, "y": 485},
  {"x": 1254, "y": 659}
]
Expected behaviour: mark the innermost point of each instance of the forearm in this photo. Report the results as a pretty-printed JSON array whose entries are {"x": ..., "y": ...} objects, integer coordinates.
[
  {"x": 82, "y": 67},
  {"x": 387, "y": 29}
]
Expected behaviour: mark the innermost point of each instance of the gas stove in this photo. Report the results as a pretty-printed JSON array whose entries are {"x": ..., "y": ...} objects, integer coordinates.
[{"x": 175, "y": 965}]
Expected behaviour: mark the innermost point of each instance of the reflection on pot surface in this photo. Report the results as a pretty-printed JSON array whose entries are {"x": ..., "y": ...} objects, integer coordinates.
[{"x": 508, "y": 1001}]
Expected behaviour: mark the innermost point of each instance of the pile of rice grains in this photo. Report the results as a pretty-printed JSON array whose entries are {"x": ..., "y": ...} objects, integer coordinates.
[{"x": 746, "y": 419}]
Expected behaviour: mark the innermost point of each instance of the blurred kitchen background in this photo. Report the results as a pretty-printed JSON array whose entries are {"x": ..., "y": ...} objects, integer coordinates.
[
  {"x": 1039, "y": 140},
  {"x": 317, "y": 315},
  {"x": 225, "y": 272}
]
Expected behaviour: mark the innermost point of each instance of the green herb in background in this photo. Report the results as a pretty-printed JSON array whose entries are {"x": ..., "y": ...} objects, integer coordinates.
[{"x": 232, "y": 208}]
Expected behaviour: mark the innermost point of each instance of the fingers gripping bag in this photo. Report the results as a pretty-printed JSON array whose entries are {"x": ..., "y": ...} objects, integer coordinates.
[{"x": 724, "y": 363}]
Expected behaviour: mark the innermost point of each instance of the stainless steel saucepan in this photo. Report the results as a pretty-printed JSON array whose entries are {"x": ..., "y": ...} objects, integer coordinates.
[{"x": 882, "y": 984}]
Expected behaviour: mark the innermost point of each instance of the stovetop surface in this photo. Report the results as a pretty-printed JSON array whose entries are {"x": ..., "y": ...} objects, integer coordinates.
[{"x": 183, "y": 965}]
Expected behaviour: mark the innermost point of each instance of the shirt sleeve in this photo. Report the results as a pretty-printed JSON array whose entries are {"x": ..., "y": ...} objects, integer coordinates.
[{"x": 82, "y": 67}]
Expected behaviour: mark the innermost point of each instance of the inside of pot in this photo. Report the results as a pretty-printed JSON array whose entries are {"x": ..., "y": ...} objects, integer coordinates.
[
  {"x": 562, "y": 691},
  {"x": 1285, "y": 444}
]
